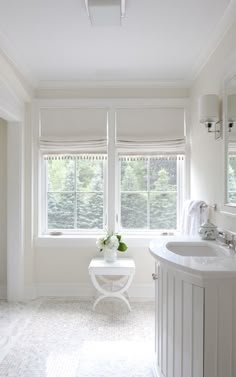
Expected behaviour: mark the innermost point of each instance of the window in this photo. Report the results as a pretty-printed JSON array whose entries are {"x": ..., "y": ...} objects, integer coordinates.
[
  {"x": 84, "y": 150},
  {"x": 74, "y": 192},
  {"x": 150, "y": 192}
]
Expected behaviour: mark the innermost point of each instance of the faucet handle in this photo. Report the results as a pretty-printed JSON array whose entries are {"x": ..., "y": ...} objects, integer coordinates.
[
  {"x": 222, "y": 236},
  {"x": 232, "y": 243}
]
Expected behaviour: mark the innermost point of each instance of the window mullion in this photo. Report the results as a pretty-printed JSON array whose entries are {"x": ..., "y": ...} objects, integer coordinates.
[
  {"x": 148, "y": 193},
  {"x": 75, "y": 196},
  {"x": 105, "y": 190},
  {"x": 112, "y": 172},
  {"x": 179, "y": 193},
  {"x": 45, "y": 200}
]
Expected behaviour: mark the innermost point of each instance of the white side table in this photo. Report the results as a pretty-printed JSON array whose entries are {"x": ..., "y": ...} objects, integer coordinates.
[{"x": 103, "y": 278}]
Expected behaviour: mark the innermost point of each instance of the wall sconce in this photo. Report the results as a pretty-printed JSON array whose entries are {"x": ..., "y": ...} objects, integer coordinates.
[
  {"x": 231, "y": 108},
  {"x": 209, "y": 111}
]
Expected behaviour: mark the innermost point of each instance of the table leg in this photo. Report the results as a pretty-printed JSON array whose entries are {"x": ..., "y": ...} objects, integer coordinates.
[{"x": 106, "y": 293}]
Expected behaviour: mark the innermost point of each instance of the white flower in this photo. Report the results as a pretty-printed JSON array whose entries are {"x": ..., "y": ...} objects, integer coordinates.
[
  {"x": 100, "y": 243},
  {"x": 112, "y": 242}
]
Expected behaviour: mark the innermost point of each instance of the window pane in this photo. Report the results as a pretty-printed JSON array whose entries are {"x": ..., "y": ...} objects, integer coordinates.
[
  {"x": 61, "y": 175},
  {"x": 75, "y": 192},
  {"x": 148, "y": 192},
  {"x": 163, "y": 210},
  {"x": 61, "y": 210},
  {"x": 89, "y": 175},
  {"x": 134, "y": 210},
  {"x": 134, "y": 175},
  {"x": 163, "y": 175},
  {"x": 232, "y": 180},
  {"x": 89, "y": 210}
]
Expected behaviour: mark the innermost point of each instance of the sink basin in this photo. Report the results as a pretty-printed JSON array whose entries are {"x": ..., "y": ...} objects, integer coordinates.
[{"x": 195, "y": 249}]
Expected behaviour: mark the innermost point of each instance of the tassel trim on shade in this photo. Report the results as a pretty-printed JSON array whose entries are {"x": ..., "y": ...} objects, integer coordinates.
[
  {"x": 157, "y": 157},
  {"x": 75, "y": 157}
]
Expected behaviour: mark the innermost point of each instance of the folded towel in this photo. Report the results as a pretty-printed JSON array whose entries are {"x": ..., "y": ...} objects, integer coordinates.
[
  {"x": 185, "y": 219},
  {"x": 194, "y": 214}
]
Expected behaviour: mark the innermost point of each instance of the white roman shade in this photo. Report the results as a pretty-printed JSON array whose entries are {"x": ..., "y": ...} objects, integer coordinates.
[
  {"x": 67, "y": 129},
  {"x": 162, "y": 128},
  {"x": 232, "y": 148}
]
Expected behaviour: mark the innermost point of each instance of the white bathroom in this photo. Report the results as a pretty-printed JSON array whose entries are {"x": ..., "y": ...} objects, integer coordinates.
[{"x": 117, "y": 128}]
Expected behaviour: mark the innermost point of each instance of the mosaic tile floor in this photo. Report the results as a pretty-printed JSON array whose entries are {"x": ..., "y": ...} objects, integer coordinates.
[{"x": 65, "y": 338}]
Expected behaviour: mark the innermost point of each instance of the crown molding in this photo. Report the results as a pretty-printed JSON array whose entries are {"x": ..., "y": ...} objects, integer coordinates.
[
  {"x": 216, "y": 38},
  {"x": 28, "y": 82},
  {"x": 10, "y": 51},
  {"x": 111, "y": 84},
  {"x": 17, "y": 84},
  {"x": 13, "y": 72}
]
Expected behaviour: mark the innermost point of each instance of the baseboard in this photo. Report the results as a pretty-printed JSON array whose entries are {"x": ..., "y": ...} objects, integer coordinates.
[
  {"x": 65, "y": 290},
  {"x": 30, "y": 292},
  {"x": 142, "y": 292},
  {"x": 3, "y": 292},
  {"x": 139, "y": 292}
]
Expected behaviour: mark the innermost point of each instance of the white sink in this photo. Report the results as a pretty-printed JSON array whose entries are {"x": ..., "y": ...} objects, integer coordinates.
[{"x": 196, "y": 249}]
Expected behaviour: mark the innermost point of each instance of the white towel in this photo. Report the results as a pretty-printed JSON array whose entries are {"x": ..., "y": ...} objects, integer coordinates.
[
  {"x": 194, "y": 214},
  {"x": 185, "y": 219}
]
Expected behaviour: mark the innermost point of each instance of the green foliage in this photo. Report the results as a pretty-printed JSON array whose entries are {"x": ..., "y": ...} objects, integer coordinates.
[
  {"x": 122, "y": 247},
  {"x": 134, "y": 175},
  {"x": 75, "y": 194},
  {"x": 148, "y": 194}
]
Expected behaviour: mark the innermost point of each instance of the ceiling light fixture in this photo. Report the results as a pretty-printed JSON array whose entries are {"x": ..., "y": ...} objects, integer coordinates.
[{"x": 105, "y": 12}]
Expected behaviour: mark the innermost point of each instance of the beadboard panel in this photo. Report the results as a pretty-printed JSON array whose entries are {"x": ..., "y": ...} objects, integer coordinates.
[
  {"x": 170, "y": 325},
  {"x": 195, "y": 326},
  {"x": 220, "y": 329},
  {"x": 179, "y": 327},
  {"x": 198, "y": 331},
  {"x": 187, "y": 334},
  {"x": 211, "y": 323},
  {"x": 178, "y": 321}
]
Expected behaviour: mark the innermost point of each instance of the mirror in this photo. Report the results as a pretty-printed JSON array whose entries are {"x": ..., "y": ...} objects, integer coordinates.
[{"x": 230, "y": 140}]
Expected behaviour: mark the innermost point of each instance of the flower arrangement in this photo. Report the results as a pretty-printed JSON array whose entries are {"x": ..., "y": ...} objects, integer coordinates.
[{"x": 111, "y": 241}]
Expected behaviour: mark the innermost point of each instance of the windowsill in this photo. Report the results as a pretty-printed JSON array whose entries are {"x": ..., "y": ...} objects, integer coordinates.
[{"x": 74, "y": 241}]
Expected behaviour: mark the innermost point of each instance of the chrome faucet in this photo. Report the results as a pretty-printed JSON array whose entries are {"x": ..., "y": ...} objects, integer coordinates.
[
  {"x": 232, "y": 244},
  {"x": 228, "y": 239},
  {"x": 222, "y": 237}
]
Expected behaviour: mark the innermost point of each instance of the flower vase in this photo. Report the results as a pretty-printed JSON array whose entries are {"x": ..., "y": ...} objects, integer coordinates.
[{"x": 110, "y": 255}]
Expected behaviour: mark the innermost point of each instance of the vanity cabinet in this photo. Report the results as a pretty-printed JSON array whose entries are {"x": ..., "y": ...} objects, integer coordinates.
[
  {"x": 179, "y": 325},
  {"x": 195, "y": 324}
]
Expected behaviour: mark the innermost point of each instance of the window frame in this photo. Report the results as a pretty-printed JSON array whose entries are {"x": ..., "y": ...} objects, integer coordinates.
[
  {"x": 112, "y": 105},
  {"x": 180, "y": 193},
  {"x": 44, "y": 201}
]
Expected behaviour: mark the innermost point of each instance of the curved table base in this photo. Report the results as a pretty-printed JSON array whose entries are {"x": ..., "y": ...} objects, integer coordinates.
[{"x": 117, "y": 289}]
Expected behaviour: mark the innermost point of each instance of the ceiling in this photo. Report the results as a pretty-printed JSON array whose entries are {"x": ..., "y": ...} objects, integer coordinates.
[{"x": 168, "y": 40}]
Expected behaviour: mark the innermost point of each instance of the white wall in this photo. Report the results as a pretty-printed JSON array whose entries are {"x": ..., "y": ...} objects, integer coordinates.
[
  {"x": 207, "y": 159},
  {"x": 62, "y": 268},
  {"x": 14, "y": 93},
  {"x": 3, "y": 207},
  {"x": 64, "y": 271}
]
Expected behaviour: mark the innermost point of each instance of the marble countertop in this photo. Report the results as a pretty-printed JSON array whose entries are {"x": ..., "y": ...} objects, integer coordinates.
[{"x": 220, "y": 266}]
